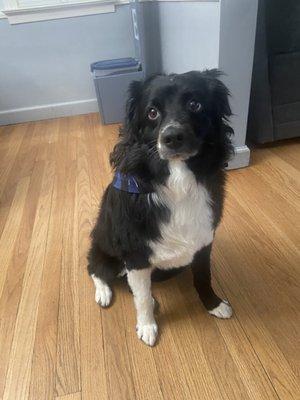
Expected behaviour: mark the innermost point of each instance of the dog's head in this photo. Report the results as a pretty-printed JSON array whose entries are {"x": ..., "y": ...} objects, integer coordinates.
[{"x": 176, "y": 116}]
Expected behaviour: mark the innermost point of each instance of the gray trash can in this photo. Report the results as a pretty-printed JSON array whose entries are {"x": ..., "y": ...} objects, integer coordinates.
[{"x": 112, "y": 77}]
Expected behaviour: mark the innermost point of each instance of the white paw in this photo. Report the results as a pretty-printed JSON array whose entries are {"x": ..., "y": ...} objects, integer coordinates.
[
  {"x": 103, "y": 296},
  {"x": 147, "y": 333},
  {"x": 103, "y": 293},
  {"x": 223, "y": 310}
]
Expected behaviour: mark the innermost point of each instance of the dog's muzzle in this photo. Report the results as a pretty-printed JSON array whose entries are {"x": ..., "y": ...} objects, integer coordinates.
[{"x": 175, "y": 141}]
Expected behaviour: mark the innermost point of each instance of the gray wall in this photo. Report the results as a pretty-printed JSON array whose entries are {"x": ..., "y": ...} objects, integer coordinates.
[
  {"x": 237, "y": 38},
  {"x": 181, "y": 36},
  {"x": 189, "y": 36},
  {"x": 44, "y": 64}
]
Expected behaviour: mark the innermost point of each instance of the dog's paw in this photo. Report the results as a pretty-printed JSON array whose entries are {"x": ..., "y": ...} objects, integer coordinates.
[
  {"x": 147, "y": 333},
  {"x": 103, "y": 294},
  {"x": 223, "y": 310}
]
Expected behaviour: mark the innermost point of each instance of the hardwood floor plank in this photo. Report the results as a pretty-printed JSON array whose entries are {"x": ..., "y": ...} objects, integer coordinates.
[
  {"x": 272, "y": 226},
  {"x": 173, "y": 319},
  {"x": 117, "y": 363},
  {"x": 189, "y": 382},
  {"x": 6, "y": 135},
  {"x": 11, "y": 228},
  {"x": 93, "y": 369},
  {"x": 43, "y": 375},
  {"x": 68, "y": 344},
  {"x": 147, "y": 382},
  {"x": 42, "y": 382},
  {"x": 19, "y": 166},
  {"x": 12, "y": 287},
  {"x": 248, "y": 282},
  {"x": 268, "y": 242},
  {"x": 277, "y": 173},
  {"x": 272, "y": 359},
  {"x": 251, "y": 371},
  {"x": 99, "y": 147},
  {"x": 190, "y": 324},
  {"x": 49, "y": 137},
  {"x": 72, "y": 396},
  {"x": 9, "y": 150},
  {"x": 218, "y": 339},
  {"x": 19, "y": 368},
  {"x": 288, "y": 150},
  {"x": 283, "y": 214}
]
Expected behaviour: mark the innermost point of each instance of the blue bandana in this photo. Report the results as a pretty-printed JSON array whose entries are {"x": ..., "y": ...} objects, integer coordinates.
[{"x": 128, "y": 183}]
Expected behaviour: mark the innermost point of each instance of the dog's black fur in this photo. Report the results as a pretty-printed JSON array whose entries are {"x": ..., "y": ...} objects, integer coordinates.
[{"x": 126, "y": 221}]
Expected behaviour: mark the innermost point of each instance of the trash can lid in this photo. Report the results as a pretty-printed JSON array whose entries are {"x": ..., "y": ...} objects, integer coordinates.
[{"x": 114, "y": 64}]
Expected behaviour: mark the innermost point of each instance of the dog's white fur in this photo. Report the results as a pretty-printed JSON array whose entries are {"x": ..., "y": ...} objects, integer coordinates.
[
  {"x": 190, "y": 226},
  {"x": 140, "y": 284},
  {"x": 103, "y": 293},
  {"x": 223, "y": 310}
]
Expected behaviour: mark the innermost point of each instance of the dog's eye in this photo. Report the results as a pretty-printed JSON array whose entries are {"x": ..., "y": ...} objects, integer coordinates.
[
  {"x": 153, "y": 114},
  {"x": 194, "y": 106}
]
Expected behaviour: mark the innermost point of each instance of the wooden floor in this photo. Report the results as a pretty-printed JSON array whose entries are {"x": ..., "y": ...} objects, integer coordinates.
[{"x": 55, "y": 341}]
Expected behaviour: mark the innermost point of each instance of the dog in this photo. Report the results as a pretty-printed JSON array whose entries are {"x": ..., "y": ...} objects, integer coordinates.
[{"x": 160, "y": 212}]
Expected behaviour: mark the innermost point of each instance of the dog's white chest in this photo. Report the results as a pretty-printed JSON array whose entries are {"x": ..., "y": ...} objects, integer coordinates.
[{"x": 190, "y": 226}]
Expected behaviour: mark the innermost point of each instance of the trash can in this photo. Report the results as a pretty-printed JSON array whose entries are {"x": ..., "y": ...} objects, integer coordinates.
[{"x": 112, "y": 77}]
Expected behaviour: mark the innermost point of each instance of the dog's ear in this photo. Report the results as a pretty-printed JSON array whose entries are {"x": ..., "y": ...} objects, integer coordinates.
[
  {"x": 134, "y": 96},
  {"x": 221, "y": 112},
  {"x": 219, "y": 92},
  {"x": 130, "y": 129}
]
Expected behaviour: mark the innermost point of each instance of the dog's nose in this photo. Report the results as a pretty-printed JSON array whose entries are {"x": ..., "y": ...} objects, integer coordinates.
[{"x": 173, "y": 138}]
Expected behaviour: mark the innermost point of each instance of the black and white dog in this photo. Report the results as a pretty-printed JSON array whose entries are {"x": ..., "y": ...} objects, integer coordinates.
[{"x": 161, "y": 211}]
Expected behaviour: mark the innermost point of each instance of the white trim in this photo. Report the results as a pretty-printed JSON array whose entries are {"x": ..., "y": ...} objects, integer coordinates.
[
  {"x": 10, "y": 4},
  {"x": 177, "y": 1},
  {"x": 241, "y": 157},
  {"x": 44, "y": 13},
  {"x": 33, "y": 14},
  {"x": 56, "y": 110}
]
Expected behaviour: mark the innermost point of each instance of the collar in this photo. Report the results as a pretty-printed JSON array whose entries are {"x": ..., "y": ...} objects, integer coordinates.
[{"x": 129, "y": 183}]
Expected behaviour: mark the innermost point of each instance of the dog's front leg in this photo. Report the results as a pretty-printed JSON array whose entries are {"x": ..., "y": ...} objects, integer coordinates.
[
  {"x": 202, "y": 282},
  {"x": 140, "y": 284}
]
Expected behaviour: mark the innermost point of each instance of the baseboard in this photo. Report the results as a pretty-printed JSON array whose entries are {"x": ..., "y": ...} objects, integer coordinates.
[
  {"x": 48, "y": 111},
  {"x": 241, "y": 157}
]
